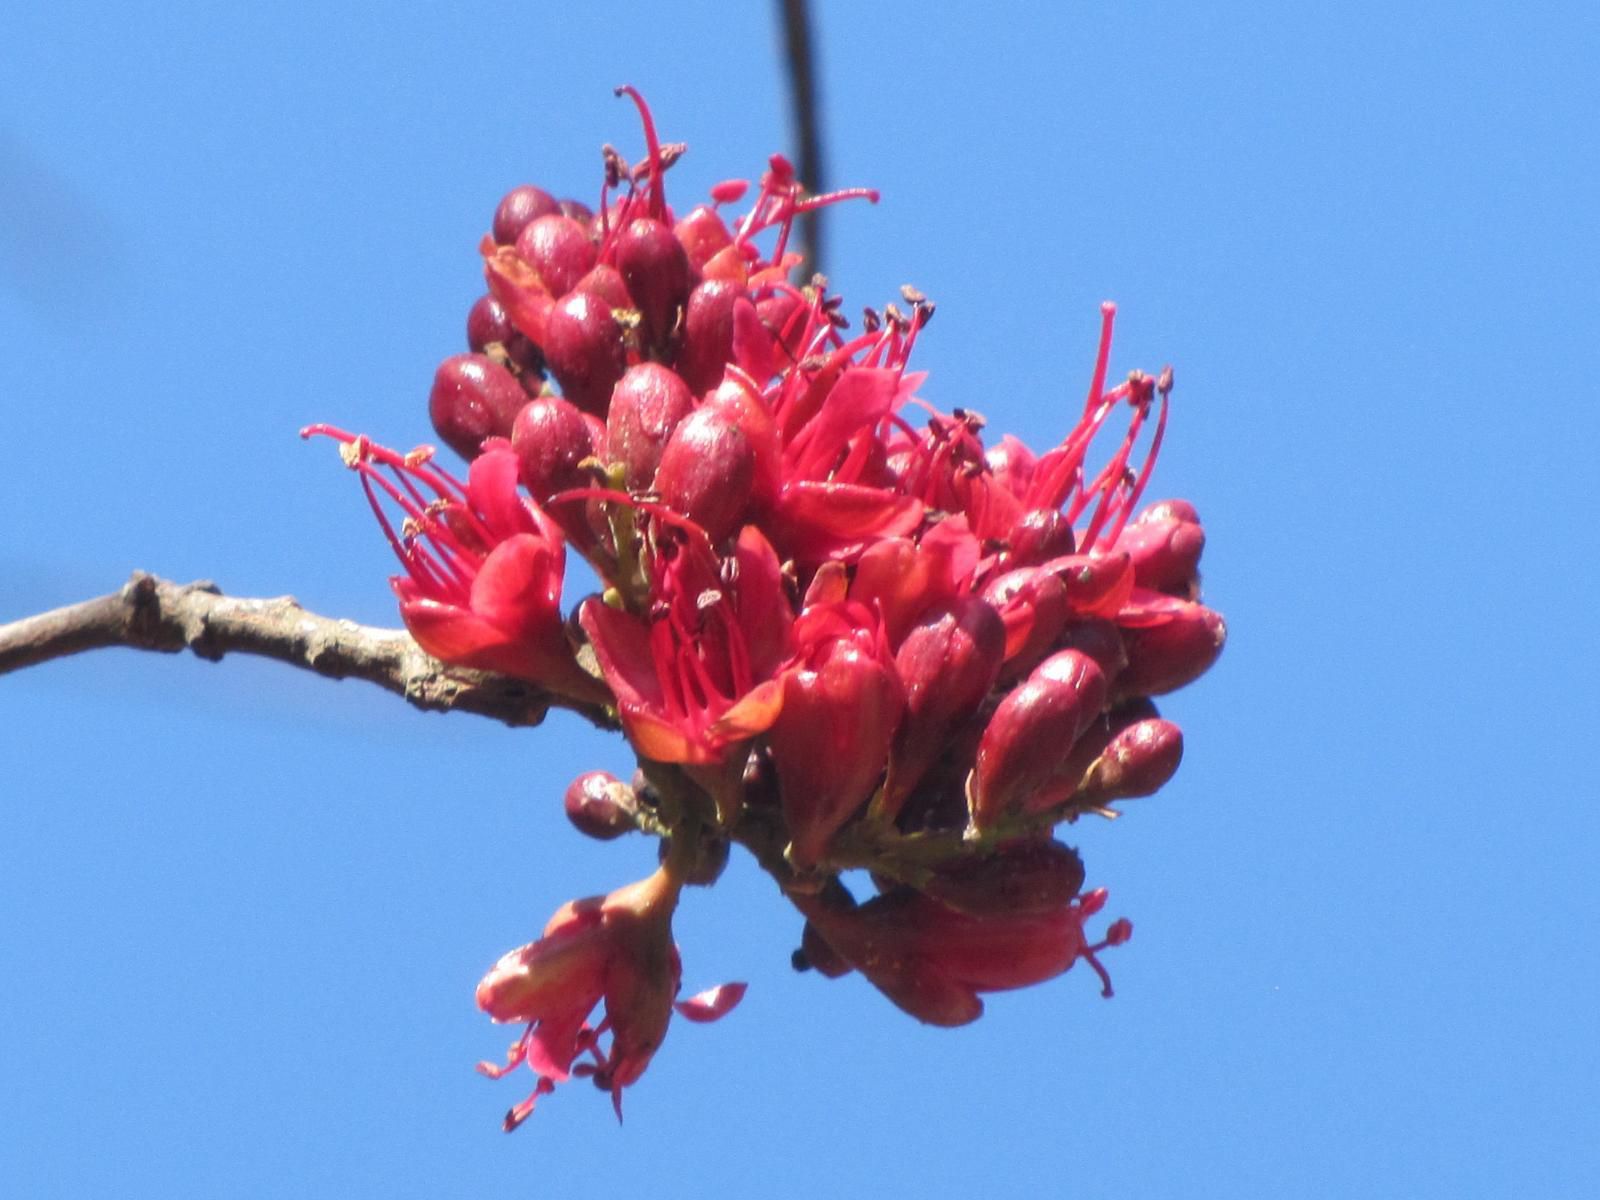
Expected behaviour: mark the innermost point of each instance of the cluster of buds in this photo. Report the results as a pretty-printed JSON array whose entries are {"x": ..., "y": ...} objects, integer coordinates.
[{"x": 835, "y": 632}]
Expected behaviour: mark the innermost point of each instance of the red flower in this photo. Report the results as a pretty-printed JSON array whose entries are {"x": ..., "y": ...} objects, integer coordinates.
[
  {"x": 696, "y": 674},
  {"x": 933, "y": 961},
  {"x": 484, "y": 566},
  {"x": 616, "y": 950},
  {"x": 842, "y": 702}
]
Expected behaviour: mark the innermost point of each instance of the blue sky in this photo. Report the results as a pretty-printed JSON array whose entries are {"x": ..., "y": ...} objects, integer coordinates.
[{"x": 242, "y": 909}]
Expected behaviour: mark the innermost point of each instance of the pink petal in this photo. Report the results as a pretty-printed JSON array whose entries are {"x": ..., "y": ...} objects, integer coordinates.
[{"x": 711, "y": 1004}]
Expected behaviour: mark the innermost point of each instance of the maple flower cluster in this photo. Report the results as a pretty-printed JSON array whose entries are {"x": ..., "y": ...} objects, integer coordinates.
[{"x": 837, "y": 628}]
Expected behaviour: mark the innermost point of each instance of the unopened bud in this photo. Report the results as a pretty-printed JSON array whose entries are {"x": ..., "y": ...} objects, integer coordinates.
[
  {"x": 584, "y": 349},
  {"x": 473, "y": 398},
  {"x": 656, "y": 270},
  {"x": 706, "y": 471},
  {"x": 600, "y": 805},
  {"x": 1031, "y": 735},
  {"x": 947, "y": 662},
  {"x": 559, "y": 249},
  {"x": 1165, "y": 657},
  {"x": 1137, "y": 762},
  {"x": 646, "y": 406}
]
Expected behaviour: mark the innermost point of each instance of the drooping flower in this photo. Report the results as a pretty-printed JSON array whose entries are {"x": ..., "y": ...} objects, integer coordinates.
[
  {"x": 615, "y": 951},
  {"x": 934, "y": 961}
]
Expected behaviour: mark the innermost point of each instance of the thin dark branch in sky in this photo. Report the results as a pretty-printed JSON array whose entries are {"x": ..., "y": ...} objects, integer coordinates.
[{"x": 804, "y": 103}]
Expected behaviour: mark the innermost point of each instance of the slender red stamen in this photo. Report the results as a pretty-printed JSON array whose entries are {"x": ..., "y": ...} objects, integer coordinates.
[
  {"x": 1133, "y": 495},
  {"x": 658, "y": 193},
  {"x": 1108, "y": 315}
]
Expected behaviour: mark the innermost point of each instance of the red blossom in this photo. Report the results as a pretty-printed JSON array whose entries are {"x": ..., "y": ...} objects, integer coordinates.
[
  {"x": 933, "y": 961},
  {"x": 613, "y": 950},
  {"x": 483, "y": 564},
  {"x": 696, "y": 674}
]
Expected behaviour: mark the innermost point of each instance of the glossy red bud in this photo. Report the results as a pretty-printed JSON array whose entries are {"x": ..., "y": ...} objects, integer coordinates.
[
  {"x": 1138, "y": 762},
  {"x": 605, "y": 281},
  {"x": 488, "y": 324},
  {"x": 646, "y": 406},
  {"x": 707, "y": 345},
  {"x": 1032, "y": 603},
  {"x": 600, "y": 805},
  {"x": 1165, "y": 542},
  {"x": 706, "y": 471},
  {"x": 745, "y": 408},
  {"x": 829, "y": 743},
  {"x": 947, "y": 663},
  {"x": 519, "y": 208},
  {"x": 1100, "y": 639},
  {"x": 559, "y": 249},
  {"x": 656, "y": 270},
  {"x": 584, "y": 348},
  {"x": 578, "y": 211},
  {"x": 1163, "y": 658},
  {"x": 1040, "y": 535},
  {"x": 1097, "y": 585},
  {"x": 473, "y": 398},
  {"x": 551, "y": 437},
  {"x": 702, "y": 233},
  {"x": 1031, "y": 735}
]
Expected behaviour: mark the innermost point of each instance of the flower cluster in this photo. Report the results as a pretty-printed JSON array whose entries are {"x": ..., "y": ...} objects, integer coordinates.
[{"x": 837, "y": 628}]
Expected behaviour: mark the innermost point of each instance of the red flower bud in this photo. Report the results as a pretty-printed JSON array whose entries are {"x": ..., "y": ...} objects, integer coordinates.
[
  {"x": 947, "y": 663},
  {"x": 605, "y": 281},
  {"x": 473, "y": 398},
  {"x": 1138, "y": 761},
  {"x": 489, "y": 325},
  {"x": 702, "y": 234},
  {"x": 741, "y": 404},
  {"x": 706, "y": 471},
  {"x": 584, "y": 348},
  {"x": 1165, "y": 542},
  {"x": 1031, "y": 735},
  {"x": 600, "y": 805},
  {"x": 646, "y": 406},
  {"x": 1042, "y": 534},
  {"x": 933, "y": 961},
  {"x": 551, "y": 437},
  {"x": 520, "y": 207},
  {"x": 558, "y": 248},
  {"x": 1097, "y": 585},
  {"x": 1032, "y": 603},
  {"x": 1164, "y": 657},
  {"x": 707, "y": 345},
  {"x": 656, "y": 270},
  {"x": 840, "y": 709},
  {"x": 1100, "y": 639}
]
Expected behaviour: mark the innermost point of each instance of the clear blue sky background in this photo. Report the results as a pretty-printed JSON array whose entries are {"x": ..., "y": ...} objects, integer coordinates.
[{"x": 242, "y": 909}]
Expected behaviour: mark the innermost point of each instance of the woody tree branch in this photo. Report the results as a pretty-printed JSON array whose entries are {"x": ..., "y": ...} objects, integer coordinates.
[{"x": 154, "y": 614}]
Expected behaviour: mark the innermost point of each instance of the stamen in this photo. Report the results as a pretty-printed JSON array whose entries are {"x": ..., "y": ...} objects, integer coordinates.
[{"x": 658, "y": 195}]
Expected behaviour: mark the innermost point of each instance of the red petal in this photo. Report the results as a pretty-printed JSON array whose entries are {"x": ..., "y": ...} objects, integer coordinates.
[
  {"x": 815, "y": 521},
  {"x": 711, "y": 1004}
]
